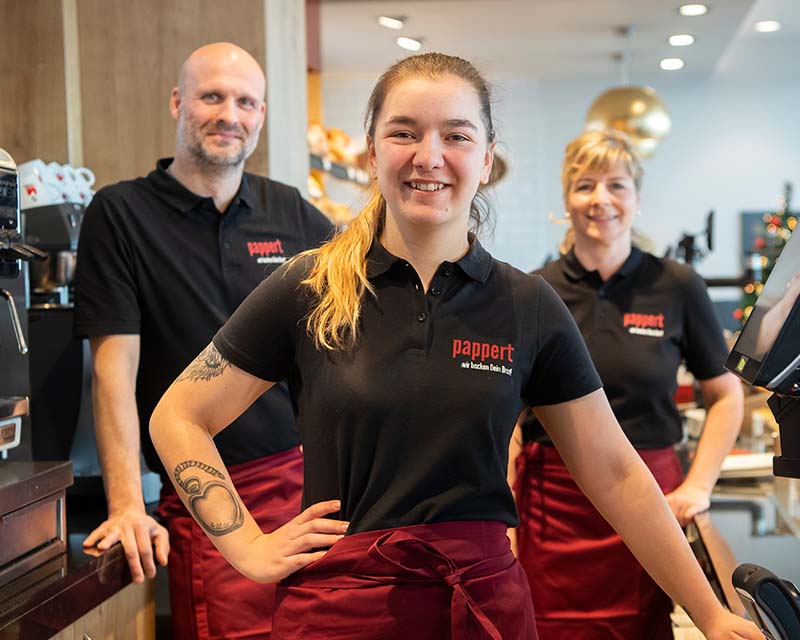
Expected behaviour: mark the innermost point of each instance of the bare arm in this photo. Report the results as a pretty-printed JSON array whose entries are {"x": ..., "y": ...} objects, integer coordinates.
[
  {"x": 206, "y": 398},
  {"x": 612, "y": 475},
  {"x": 514, "y": 451},
  {"x": 114, "y": 366},
  {"x": 724, "y": 400}
]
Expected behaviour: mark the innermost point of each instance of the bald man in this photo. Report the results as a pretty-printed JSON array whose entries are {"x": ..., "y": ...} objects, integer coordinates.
[{"x": 163, "y": 260}]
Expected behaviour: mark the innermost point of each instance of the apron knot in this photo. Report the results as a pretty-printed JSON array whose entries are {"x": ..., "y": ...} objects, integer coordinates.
[{"x": 452, "y": 579}]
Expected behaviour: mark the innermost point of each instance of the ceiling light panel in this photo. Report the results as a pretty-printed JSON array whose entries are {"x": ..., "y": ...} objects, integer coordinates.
[
  {"x": 693, "y": 10},
  {"x": 681, "y": 40},
  {"x": 671, "y": 64},
  {"x": 392, "y": 22},
  {"x": 767, "y": 26},
  {"x": 411, "y": 44}
]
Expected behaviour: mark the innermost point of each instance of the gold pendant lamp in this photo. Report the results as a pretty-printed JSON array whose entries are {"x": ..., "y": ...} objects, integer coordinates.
[{"x": 635, "y": 110}]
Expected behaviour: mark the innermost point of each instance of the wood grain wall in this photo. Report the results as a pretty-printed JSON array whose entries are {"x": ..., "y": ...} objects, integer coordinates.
[{"x": 33, "y": 120}]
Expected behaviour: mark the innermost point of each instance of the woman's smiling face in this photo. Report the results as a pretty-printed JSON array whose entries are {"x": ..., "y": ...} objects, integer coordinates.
[
  {"x": 430, "y": 152},
  {"x": 602, "y": 204}
]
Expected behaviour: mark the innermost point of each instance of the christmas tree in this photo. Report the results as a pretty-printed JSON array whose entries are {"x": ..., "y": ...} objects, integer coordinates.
[{"x": 767, "y": 246}]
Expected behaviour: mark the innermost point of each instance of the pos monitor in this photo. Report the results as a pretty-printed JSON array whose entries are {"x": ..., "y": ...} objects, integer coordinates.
[{"x": 767, "y": 353}]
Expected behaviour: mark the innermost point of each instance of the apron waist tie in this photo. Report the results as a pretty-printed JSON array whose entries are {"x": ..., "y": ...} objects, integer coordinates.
[{"x": 416, "y": 560}]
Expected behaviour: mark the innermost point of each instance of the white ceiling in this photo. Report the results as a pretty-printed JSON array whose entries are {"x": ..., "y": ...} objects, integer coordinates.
[{"x": 562, "y": 38}]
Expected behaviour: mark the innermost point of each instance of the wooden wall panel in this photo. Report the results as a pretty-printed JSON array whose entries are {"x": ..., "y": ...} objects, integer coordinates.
[
  {"x": 131, "y": 52},
  {"x": 33, "y": 116}
]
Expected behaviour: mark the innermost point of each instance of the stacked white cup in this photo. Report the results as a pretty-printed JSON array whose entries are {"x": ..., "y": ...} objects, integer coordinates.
[{"x": 45, "y": 184}]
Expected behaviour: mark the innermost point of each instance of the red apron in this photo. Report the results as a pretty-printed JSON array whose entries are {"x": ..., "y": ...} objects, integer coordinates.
[
  {"x": 209, "y": 598},
  {"x": 585, "y": 583},
  {"x": 455, "y": 580}
]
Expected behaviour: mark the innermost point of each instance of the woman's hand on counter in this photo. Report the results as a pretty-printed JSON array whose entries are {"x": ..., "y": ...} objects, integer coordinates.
[
  {"x": 687, "y": 501},
  {"x": 140, "y": 536},
  {"x": 301, "y": 541},
  {"x": 728, "y": 626}
]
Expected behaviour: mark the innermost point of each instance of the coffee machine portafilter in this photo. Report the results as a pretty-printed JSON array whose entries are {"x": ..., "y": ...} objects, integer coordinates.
[{"x": 54, "y": 230}]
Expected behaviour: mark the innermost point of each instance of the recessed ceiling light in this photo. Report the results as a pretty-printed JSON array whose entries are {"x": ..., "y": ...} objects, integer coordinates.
[
  {"x": 671, "y": 64},
  {"x": 681, "y": 40},
  {"x": 693, "y": 10},
  {"x": 392, "y": 22},
  {"x": 412, "y": 44},
  {"x": 767, "y": 26}
]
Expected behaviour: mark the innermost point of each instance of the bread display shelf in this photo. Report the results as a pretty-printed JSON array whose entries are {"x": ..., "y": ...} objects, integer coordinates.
[{"x": 339, "y": 170}]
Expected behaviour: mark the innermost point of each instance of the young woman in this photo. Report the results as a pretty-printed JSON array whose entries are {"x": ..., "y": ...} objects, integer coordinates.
[
  {"x": 640, "y": 316},
  {"x": 409, "y": 353}
]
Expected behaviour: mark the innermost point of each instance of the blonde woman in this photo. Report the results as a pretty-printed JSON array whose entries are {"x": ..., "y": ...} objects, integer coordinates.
[
  {"x": 409, "y": 353},
  {"x": 640, "y": 316}
]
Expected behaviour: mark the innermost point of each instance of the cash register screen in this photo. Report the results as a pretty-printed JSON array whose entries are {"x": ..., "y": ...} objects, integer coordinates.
[
  {"x": 767, "y": 352},
  {"x": 8, "y": 199}
]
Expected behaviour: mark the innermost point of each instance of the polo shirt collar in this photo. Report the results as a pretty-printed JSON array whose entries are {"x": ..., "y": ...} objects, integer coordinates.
[
  {"x": 575, "y": 271},
  {"x": 184, "y": 200},
  {"x": 476, "y": 263}
]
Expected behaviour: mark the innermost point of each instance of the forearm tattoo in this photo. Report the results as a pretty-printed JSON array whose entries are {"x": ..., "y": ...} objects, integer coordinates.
[
  {"x": 209, "y": 364},
  {"x": 213, "y": 504}
]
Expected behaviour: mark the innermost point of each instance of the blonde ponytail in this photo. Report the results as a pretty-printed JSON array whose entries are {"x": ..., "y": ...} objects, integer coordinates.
[{"x": 339, "y": 278}]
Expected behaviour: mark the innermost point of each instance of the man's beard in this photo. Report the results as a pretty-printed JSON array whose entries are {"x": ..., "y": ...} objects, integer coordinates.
[{"x": 193, "y": 139}]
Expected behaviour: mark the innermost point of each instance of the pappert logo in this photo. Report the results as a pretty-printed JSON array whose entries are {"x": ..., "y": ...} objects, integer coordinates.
[
  {"x": 644, "y": 324},
  {"x": 475, "y": 354},
  {"x": 267, "y": 251}
]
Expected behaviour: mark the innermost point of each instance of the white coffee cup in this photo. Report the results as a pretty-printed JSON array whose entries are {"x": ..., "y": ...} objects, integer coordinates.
[
  {"x": 39, "y": 182},
  {"x": 34, "y": 193},
  {"x": 79, "y": 183},
  {"x": 67, "y": 181},
  {"x": 36, "y": 169},
  {"x": 86, "y": 175}
]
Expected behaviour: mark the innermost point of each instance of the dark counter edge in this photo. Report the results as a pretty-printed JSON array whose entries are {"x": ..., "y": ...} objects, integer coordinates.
[
  {"x": 59, "y": 604},
  {"x": 53, "y": 595}
]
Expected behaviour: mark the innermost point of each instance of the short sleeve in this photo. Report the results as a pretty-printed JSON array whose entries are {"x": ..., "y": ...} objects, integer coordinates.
[
  {"x": 106, "y": 293},
  {"x": 260, "y": 336},
  {"x": 562, "y": 368},
  {"x": 703, "y": 345}
]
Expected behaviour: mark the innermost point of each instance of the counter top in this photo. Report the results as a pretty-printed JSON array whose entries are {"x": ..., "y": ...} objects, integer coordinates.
[
  {"x": 22, "y": 483},
  {"x": 52, "y": 596}
]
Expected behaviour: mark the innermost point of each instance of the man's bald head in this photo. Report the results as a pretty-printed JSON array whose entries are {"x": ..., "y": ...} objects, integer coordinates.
[
  {"x": 219, "y": 107},
  {"x": 220, "y": 57}
]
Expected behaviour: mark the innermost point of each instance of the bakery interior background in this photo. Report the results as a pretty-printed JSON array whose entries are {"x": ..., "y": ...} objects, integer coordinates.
[{"x": 735, "y": 135}]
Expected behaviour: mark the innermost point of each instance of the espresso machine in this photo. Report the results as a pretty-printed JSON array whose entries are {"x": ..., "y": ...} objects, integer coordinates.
[
  {"x": 60, "y": 364},
  {"x": 32, "y": 494},
  {"x": 14, "y": 385}
]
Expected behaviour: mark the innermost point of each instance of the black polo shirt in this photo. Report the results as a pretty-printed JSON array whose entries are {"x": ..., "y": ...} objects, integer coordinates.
[
  {"x": 412, "y": 425},
  {"x": 639, "y": 325},
  {"x": 157, "y": 260}
]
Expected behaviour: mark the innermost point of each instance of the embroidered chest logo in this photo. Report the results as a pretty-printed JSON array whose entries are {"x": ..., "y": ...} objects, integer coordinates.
[
  {"x": 475, "y": 354},
  {"x": 644, "y": 324},
  {"x": 267, "y": 252}
]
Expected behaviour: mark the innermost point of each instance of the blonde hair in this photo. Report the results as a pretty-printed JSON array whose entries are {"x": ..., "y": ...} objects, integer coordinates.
[
  {"x": 338, "y": 278},
  {"x": 599, "y": 151}
]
